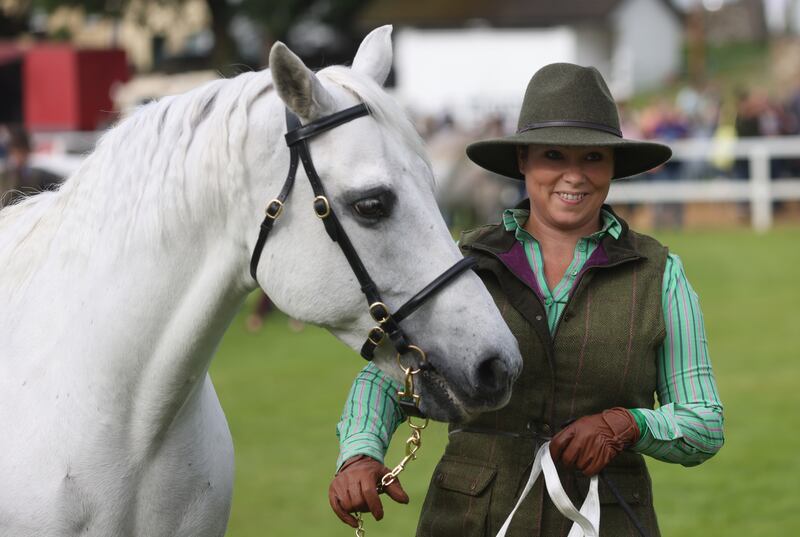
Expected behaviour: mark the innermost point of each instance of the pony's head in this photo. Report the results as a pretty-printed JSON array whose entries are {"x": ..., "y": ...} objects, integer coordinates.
[{"x": 380, "y": 185}]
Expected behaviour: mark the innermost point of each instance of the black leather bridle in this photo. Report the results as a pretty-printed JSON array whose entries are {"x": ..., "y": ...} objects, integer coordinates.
[{"x": 388, "y": 324}]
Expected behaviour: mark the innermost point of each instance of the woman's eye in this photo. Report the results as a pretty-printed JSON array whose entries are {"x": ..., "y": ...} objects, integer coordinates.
[
  {"x": 552, "y": 154},
  {"x": 594, "y": 156},
  {"x": 369, "y": 208}
]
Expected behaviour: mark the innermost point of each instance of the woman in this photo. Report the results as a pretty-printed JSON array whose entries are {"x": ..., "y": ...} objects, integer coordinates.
[{"x": 605, "y": 318}]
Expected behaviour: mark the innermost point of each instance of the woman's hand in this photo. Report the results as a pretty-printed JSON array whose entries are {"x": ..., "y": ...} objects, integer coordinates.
[
  {"x": 355, "y": 489},
  {"x": 591, "y": 442}
]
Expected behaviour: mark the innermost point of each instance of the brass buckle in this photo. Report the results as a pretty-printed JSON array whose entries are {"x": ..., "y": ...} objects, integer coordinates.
[
  {"x": 274, "y": 209},
  {"x": 376, "y": 335},
  {"x": 379, "y": 312},
  {"x": 326, "y": 207}
]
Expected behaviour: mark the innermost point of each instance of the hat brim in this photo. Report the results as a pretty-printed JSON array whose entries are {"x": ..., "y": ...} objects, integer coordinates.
[{"x": 631, "y": 157}]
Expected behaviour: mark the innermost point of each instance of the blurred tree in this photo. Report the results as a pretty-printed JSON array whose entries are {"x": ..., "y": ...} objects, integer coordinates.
[
  {"x": 14, "y": 18},
  {"x": 276, "y": 17}
]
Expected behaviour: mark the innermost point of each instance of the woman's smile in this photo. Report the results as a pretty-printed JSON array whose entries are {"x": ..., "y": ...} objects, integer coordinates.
[
  {"x": 572, "y": 198},
  {"x": 567, "y": 186}
]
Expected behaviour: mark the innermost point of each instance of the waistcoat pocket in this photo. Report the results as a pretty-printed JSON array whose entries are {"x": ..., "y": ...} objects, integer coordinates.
[{"x": 457, "y": 504}]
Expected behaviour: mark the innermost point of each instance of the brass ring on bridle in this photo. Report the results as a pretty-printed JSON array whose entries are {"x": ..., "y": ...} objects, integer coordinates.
[{"x": 422, "y": 359}]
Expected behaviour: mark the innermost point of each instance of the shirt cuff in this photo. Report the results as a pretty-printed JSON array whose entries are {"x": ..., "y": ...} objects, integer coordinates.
[
  {"x": 361, "y": 444},
  {"x": 641, "y": 422}
]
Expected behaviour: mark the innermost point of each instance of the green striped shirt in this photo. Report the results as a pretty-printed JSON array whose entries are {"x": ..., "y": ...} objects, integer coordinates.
[{"x": 687, "y": 426}]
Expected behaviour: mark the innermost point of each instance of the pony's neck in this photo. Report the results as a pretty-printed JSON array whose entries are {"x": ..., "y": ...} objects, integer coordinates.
[{"x": 146, "y": 284}]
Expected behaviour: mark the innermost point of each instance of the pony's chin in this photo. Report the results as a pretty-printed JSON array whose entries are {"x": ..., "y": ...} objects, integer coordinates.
[{"x": 439, "y": 401}]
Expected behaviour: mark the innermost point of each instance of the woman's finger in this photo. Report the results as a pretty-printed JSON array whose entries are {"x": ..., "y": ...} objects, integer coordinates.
[
  {"x": 340, "y": 510},
  {"x": 560, "y": 442},
  {"x": 370, "y": 494},
  {"x": 395, "y": 491}
]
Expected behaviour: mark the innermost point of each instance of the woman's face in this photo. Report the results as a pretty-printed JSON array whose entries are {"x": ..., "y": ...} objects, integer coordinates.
[{"x": 567, "y": 185}]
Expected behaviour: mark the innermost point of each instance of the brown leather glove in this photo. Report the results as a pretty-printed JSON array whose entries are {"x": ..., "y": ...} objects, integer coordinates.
[
  {"x": 591, "y": 442},
  {"x": 355, "y": 489}
]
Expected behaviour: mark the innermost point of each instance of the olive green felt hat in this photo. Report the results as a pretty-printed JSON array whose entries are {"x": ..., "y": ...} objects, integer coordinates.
[{"x": 568, "y": 105}]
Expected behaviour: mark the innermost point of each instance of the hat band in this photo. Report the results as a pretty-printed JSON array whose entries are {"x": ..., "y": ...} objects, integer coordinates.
[{"x": 569, "y": 123}]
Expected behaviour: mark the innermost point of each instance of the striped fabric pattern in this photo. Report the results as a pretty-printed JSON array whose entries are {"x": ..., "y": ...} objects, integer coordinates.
[
  {"x": 687, "y": 426},
  {"x": 371, "y": 416},
  {"x": 556, "y": 300}
]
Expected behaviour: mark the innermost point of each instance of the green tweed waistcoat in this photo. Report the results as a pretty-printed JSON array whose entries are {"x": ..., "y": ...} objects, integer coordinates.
[{"x": 602, "y": 354}]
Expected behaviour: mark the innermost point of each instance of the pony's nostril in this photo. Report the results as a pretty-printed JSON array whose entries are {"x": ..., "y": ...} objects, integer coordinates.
[{"x": 492, "y": 375}]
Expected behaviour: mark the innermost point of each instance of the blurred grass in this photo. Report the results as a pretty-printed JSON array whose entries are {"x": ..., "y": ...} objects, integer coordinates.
[{"x": 283, "y": 392}]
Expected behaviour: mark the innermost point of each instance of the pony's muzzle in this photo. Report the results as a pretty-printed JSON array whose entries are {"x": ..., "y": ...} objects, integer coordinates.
[{"x": 491, "y": 381}]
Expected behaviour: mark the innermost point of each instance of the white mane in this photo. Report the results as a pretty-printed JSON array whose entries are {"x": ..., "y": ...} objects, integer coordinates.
[{"x": 180, "y": 156}]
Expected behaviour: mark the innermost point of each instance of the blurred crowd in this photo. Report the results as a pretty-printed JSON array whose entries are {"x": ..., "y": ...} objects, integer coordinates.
[{"x": 469, "y": 195}]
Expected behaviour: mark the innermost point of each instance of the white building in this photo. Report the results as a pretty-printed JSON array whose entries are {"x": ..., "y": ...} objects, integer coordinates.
[{"x": 469, "y": 57}]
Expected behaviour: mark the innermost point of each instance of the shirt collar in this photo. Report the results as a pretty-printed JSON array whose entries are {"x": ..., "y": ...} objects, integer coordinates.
[{"x": 515, "y": 219}]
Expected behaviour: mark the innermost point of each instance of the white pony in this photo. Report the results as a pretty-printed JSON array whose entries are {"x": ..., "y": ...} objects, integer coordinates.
[{"x": 116, "y": 289}]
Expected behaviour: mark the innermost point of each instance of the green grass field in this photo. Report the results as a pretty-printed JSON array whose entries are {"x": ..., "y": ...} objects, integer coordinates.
[{"x": 283, "y": 392}]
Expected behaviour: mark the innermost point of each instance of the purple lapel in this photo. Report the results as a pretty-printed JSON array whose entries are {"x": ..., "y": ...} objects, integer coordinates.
[{"x": 516, "y": 261}]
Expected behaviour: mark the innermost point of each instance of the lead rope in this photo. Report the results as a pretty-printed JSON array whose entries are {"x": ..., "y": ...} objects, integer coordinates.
[
  {"x": 414, "y": 442},
  {"x": 586, "y": 521}
]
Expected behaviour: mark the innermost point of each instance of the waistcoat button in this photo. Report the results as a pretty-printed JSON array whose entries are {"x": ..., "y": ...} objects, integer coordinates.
[{"x": 538, "y": 317}]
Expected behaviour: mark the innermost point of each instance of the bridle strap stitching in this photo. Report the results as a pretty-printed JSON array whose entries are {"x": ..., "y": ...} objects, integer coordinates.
[
  {"x": 335, "y": 230},
  {"x": 268, "y": 222}
]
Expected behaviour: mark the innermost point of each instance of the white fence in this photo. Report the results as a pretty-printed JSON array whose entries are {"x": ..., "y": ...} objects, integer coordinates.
[{"x": 760, "y": 190}]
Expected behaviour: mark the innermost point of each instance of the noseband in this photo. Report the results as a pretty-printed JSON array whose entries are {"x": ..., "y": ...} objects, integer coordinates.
[{"x": 388, "y": 324}]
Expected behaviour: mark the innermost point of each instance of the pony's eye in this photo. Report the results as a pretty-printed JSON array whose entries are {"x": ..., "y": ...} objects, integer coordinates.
[{"x": 371, "y": 208}]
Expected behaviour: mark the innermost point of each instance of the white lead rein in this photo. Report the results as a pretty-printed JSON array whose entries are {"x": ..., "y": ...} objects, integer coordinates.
[{"x": 586, "y": 522}]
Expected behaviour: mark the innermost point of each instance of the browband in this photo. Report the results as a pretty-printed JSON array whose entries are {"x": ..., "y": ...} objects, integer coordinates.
[{"x": 324, "y": 124}]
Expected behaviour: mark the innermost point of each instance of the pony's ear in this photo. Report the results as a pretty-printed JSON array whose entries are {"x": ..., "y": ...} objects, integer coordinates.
[
  {"x": 374, "y": 56},
  {"x": 297, "y": 86}
]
